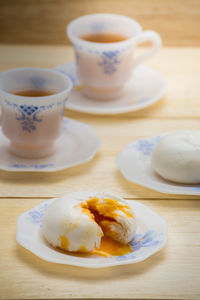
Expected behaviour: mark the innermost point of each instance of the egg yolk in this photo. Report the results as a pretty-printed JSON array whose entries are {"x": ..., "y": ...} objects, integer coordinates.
[
  {"x": 110, "y": 247},
  {"x": 103, "y": 214},
  {"x": 108, "y": 208},
  {"x": 64, "y": 242}
]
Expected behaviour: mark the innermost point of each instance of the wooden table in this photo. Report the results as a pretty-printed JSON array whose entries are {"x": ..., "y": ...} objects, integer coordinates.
[{"x": 174, "y": 272}]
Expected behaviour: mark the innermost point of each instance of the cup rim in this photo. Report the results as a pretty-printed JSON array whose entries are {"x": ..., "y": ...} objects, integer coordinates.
[
  {"x": 43, "y": 98},
  {"x": 76, "y": 39}
]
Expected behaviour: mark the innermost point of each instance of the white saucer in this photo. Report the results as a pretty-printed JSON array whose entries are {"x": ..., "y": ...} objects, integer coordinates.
[
  {"x": 135, "y": 164},
  {"x": 145, "y": 87},
  {"x": 73, "y": 149},
  {"x": 151, "y": 236}
]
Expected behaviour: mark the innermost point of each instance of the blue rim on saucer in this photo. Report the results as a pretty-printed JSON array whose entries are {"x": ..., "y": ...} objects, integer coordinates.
[
  {"x": 134, "y": 162},
  {"x": 72, "y": 148}
]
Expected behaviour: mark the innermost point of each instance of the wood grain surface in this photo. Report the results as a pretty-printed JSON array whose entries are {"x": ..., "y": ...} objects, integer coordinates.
[
  {"x": 179, "y": 109},
  {"x": 172, "y": 273},
  {"x": 44, "y": 21}
]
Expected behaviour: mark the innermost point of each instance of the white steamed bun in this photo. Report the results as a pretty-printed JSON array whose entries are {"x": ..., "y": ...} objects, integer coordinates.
[
  {"x": 71, "y": 222},
  {"x": 176, "y": 157}
]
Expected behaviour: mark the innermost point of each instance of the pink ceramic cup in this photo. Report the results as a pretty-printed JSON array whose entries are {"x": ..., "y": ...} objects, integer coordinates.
[
  {"x": 104, "y": 68},
  {"x": 32, "y": 124}
]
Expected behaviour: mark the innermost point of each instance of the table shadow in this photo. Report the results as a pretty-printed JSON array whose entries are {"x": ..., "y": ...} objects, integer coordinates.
[
  {"x": 73, "y": 273},
  {"x": 145, "y": 193},
  {"x": 48, "y": 177},
  {"x": 144, "y": 112}
]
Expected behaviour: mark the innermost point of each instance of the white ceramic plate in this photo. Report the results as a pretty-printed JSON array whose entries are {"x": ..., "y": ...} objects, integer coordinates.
[
  {"x": 145, "y": 87},
  {"x": 135, "y": 164},
  {"x": 77, "y": 144},
  {"x": 151, "y": 236}
]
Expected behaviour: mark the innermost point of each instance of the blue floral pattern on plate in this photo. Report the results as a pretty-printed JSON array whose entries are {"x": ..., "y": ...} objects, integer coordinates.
[
  {"x": 36, "y": 215},
  {"x": 35, "y": 166},
  {"x": 74, "y": 135},
  {"x": 146, "y": 146},
  {"x": 151, "y": 237},
  {"x": 128, "y": 161},
  {"x": 147, "y": 240}
]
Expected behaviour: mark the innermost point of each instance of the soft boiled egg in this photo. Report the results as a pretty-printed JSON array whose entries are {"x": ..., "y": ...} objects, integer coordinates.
[{"x": 97, "y": 223}]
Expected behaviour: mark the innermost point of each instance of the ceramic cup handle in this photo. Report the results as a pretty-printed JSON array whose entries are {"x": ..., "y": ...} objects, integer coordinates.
[{"x": 147, "y": 36}]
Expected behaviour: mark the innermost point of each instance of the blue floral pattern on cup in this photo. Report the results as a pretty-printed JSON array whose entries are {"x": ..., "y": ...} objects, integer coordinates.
[
  {"x": 29, "y": 114},
  {"x": 28, "y": 117},
  {"x": 38, "y": 166},
  {"x": 109, "y": 61}
]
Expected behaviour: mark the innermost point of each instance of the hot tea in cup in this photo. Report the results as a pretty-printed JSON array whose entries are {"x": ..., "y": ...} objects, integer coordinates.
[
  {"x": 104, "y": 49},
  {"x": 104, "y": 38},
  {"x": 33, "y": 93},
  {"x": 32, "y": 102}
]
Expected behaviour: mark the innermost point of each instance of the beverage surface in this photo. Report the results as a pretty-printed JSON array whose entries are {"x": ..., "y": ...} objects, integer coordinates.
[{"x": 104, "y": 37}]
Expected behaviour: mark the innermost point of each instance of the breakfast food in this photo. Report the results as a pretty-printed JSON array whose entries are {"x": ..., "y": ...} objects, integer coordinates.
[
  {"x": 97, "y": 223},
  {"x": 176, "y": 157}
]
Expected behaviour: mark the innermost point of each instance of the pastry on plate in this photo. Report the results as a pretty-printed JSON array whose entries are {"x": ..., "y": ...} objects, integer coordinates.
[
  {"x": 176, "y": 157},
  {"x": 95, "y": 223}
]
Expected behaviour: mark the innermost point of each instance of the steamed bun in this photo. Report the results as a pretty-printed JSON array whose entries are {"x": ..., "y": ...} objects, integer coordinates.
[
  {"x": 176, "y": 157},
  {"x": 88, "y": 222}
]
